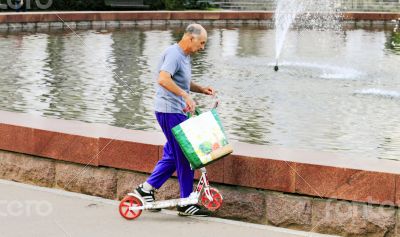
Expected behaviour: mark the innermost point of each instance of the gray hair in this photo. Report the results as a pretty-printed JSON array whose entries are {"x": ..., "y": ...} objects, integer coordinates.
[{"x": 194, "y": 29}]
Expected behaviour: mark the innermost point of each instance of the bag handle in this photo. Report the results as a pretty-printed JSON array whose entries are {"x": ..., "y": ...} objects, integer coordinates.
[{"x": 197, "y": 111}]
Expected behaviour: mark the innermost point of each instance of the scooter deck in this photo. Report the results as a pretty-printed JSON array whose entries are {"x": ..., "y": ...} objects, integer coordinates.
[{"x": 192, "y": 199}]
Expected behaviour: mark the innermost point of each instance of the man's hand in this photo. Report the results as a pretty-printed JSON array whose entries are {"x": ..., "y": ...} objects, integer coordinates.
[
  {"x": 208, "y": 90},
  {"x": 190, "y": 104}
]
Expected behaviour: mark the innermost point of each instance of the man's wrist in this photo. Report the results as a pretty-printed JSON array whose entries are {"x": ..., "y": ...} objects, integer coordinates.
[{"x": 185, "y": 95}]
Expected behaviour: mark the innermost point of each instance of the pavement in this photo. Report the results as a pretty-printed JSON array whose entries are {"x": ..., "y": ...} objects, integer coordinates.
[{"x": 27, "y": 210}]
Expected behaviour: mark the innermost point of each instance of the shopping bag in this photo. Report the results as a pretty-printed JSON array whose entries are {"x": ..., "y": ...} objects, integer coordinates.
[{"x": 202, "y": 139}]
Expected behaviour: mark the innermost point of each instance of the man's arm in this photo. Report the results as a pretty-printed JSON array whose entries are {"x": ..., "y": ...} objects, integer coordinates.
[
  {"x": 165, "y": 80},
  {"x": 196, "y": 88},
  {"x": 199, "y": 89}
]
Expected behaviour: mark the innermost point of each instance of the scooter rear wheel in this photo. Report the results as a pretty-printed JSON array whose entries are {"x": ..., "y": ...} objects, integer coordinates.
[
  {"x": 216, "y": 203},
  {"x": 127, "y": 202}
]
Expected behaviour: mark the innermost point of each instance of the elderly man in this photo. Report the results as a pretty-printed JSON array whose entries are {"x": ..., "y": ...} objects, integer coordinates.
[{"x": 173, "y": 78}]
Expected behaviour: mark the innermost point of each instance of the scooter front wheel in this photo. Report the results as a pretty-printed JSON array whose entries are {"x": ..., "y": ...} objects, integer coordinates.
[
  {"x": 127, "y": 202},
  {"x": 216, "y": 203}
]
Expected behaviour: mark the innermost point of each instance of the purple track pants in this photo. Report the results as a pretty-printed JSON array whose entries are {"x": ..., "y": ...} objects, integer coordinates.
[{"x": 173, "y": 157}]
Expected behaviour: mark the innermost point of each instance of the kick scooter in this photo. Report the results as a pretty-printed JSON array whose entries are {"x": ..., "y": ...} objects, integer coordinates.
[{"x": 132, "y": 205}]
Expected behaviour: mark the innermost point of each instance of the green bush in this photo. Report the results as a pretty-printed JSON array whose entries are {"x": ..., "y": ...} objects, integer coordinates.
[
  {"x": 178, "y": 4},
  {"x": 174, "y": 4},
  {"x": 155, "y": 4},
  {"x": 64, "y": 5},
  {"x": 198, "y": 4},
  {"x": 74, "y": 5},
  {"x": 98, "y": 5}
]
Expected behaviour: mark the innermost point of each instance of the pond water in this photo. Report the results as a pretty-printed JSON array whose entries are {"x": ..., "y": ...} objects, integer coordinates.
[{"x": 335, "y": 91}]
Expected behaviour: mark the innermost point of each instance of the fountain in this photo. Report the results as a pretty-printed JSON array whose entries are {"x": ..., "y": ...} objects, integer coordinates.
[
  {"x": 285, "y": 14},
  {"x": 308, "y": 13}
]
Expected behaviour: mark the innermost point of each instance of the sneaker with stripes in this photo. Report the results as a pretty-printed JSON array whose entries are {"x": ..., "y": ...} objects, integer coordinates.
[
  {"x": 148, "y": 196},
  {"x": 192, "y": 210}
]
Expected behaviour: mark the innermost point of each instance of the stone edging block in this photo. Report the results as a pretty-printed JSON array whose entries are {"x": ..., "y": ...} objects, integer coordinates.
[
  {"x": 171, "y": 15},
  {"x": 242, "y": 170},
  {"x": 23, "y": 168}
]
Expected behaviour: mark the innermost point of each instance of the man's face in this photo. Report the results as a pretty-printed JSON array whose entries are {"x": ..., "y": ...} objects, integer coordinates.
[{"x": 198, "y": 43}]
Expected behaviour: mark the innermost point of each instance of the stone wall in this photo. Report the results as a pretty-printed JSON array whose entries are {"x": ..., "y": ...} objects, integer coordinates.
[
  {"x": 245, "y": 204},
  {"x": 370, "y": 5},
  {"x": 296, "y": 189},
  {"x": 98, "y": 20}
]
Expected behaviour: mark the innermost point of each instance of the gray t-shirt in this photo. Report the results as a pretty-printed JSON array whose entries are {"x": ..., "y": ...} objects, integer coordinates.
[{"x": 176, "y": 63}]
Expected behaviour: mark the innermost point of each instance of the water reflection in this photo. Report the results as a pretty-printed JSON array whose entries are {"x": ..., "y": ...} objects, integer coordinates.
[
  {"x": 252, "y": 41},
  {"x": 229, "y": 41},
  {"x": 334, "y": 91},
  {"x": 81, "y": 89},
  {"x": 130, "y": 66},
  {"x": 10, "y": 96}
]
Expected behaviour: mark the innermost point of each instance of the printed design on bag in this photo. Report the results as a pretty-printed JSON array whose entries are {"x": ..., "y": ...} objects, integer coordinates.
[{"x": 204, "y": 141}]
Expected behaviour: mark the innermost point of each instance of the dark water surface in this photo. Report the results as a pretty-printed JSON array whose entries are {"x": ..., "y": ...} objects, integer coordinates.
[{"x": 334, "y": 91}]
